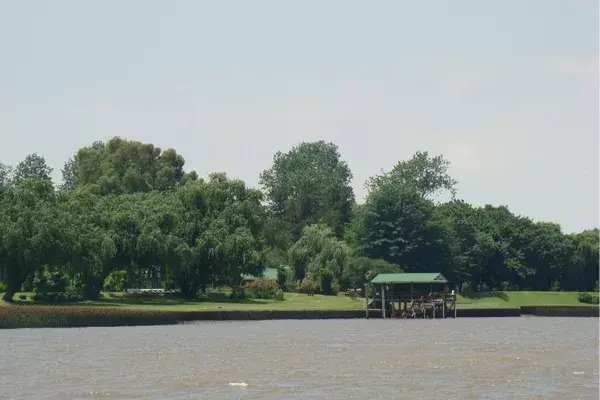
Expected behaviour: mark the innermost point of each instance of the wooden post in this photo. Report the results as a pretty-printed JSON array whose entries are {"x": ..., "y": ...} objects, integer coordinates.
[
  {"x": 444, "y": 307},
  {"x": 367, "y": 300},
  {"x": 454, "y": 299},
  {"x": 383, "y": 301}
]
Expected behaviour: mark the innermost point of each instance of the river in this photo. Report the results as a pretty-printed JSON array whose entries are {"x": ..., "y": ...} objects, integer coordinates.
[{"x": 469, "y": 358}]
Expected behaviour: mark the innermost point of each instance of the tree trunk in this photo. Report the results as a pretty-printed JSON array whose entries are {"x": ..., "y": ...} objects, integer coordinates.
[
  {"x": 11, "y": 289},
  {"x": 8, "y": 295}
]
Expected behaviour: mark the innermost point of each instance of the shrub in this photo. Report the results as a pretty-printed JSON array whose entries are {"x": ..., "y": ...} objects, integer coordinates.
[
  {"x": 56, "y": 297},
  {"x": 292, "y": 286},
  {"x": 115, "y": 281},
  {"x": 284, "y": 275},
  {"x": 307, "y": 286},
  {"x": 588, "y": 298},
  {"x": 238, "y": 293},
  {"x": 335, "y": 287},
  {"x": 279, "y": 296},
  {"x": 261, "y": 288},
  {"x": 46, "y": 280}
]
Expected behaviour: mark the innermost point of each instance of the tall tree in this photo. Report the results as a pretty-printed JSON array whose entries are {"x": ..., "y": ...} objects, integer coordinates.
[
  {"x": 122, "y": 166},
  {"x": 5, "y": 177},
  {"x": 30, "y": 236},
  {"x": 306, "y": 185},
  {"x": 33, "y": 167},
  {"x": 428, "y": 176},
  {"x": 318, "y": 250}
]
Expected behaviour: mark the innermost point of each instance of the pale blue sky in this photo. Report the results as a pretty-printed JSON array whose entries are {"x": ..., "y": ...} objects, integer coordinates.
[{"x": 507, "y": 90}]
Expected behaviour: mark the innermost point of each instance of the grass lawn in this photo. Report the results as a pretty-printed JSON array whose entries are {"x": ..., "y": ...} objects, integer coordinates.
[
  {"x": 293, "y": 301},
  {"x": 516, "y": 299},
  {"x": 219, "y": 301}
]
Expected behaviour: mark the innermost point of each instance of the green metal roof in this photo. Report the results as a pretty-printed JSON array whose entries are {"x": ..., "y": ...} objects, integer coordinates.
[
  {"x": 269, "y": 273},
  {"x": 434, "y": 277}
]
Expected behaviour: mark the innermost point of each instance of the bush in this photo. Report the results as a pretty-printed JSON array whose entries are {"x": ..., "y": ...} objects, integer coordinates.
[
  {"x": 284, "y": 276},
  {"x": 238, "y": 293},
  {"x": 588, "y": 298},
  {"x": 335, "y": 287},
  {"x": 261, "y": 288},
  {"x": 292, "y": 286},
  {"x": 46, "y": 280},
  {"x": 56, "y": 297},
  {"x": 307, "y": 286},
  {"x": 115, "y": 281},
  {"x": 279, "y": 296}
]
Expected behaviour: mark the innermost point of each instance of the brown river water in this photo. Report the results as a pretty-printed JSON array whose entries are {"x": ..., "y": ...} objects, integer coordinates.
[{"x": 469, "y": 358}]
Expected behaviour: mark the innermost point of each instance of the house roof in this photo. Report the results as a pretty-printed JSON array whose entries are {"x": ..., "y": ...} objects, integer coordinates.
[
  {"x": 434, "y": 277},
  {"x": 269, "y": 273}
]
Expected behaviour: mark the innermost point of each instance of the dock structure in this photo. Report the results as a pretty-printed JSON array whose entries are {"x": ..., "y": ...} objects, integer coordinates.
[{"x": 410, "y": 295}]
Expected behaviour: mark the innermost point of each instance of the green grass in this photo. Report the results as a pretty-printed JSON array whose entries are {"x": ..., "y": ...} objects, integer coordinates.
[
  {"x": 293, "y": 301},
  {"x": 517, "y": 299},
  {"x": 217, "y": 301}
]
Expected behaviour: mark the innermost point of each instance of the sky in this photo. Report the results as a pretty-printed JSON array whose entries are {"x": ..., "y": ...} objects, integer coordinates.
[{"x": 505, "y": 90}]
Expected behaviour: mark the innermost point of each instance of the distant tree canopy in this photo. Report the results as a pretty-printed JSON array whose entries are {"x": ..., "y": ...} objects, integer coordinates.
[{"x": 127, "y": 215}]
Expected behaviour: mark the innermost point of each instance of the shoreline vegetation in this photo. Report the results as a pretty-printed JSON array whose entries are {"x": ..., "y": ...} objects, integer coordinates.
[
  {"x": 117, "y": 309},
  {"x": 129, "y": 216}
]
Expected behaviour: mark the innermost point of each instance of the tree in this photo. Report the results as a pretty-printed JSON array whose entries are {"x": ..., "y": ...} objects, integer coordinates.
[
  {"x": 69, "y": 175},
  {"x": 318, "y": 250},
  {"x": 396, "y": 226},
  {"x": 30, "y": 236},
  {"x": 121, "y": 166},
  {"x": 307, "y": 185},
  {"x": 218, "y": 237},
  {"x": 360, "y": 270},
  {"x": 33, "y": 167},
  {"x": 5, "y": 177},
  {"x": 425, "y": 175}
]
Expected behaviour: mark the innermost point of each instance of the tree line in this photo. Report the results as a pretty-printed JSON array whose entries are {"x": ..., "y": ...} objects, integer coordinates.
[{"x": 128, "y": 215}]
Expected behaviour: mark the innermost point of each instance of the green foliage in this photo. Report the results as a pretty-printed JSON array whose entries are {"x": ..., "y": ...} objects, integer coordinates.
[
  {"x": 307, "y": 185},
  {"x": 283, "y": 274},
  {"x": 48, "y": 280},
  {"x": 279, "y": 295},
  {"x": 319, "y": 249},
  {"x": 588, "y": 298},
  {"x": 307, "y": 286},
  {"x": 128, "y": 216},
  {"x": 56, "y": 297},
  {"x": 261, "y": 288},
  {"x": 115, "y": 281}
]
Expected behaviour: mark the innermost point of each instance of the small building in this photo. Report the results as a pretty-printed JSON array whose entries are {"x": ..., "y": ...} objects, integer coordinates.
[
  {"x": 269, "y": 273},
  {"x": 415, "y": 294}
]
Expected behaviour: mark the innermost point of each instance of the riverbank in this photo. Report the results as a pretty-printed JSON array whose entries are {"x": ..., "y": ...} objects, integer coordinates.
[
  {"x": 21, "y": 316},
  {"x": 294, "y": 301},
  {"x": 120, "y": 310}
]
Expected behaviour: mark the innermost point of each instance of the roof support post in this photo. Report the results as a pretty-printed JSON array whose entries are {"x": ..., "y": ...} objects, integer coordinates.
[
  {"x": 383, "y": 301},
  {"x": 367, "y": 300}
]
